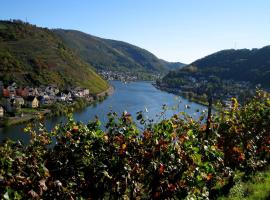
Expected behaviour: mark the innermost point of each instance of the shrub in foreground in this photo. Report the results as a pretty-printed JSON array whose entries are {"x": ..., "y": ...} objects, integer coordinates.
[{"x": 173, "y": 158}]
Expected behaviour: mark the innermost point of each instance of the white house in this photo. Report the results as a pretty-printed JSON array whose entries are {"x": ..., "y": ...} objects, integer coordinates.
[
  {"x": 61, "y": 97},
  {"x": 32, "y": 102},
  {"x": 68, "y": 95},
  {"x": 86, "y": 92},
  {"x": 33, "y": 92},
  {"x": 1, "y": 111},
  {"x": 51, "y": 90},
  {"x": 19, "y": 101}
]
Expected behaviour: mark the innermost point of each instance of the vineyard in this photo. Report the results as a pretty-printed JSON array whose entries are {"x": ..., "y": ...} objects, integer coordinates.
[{"x": 176, "y": 158}]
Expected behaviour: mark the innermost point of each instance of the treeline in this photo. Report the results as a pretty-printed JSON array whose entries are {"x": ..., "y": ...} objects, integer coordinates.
[
  {"x": 225, "y": 74},
  {"x": 238, "y": 65},
  {"x": 177, "y": 158},
  {"x": 60, "y": 108}
]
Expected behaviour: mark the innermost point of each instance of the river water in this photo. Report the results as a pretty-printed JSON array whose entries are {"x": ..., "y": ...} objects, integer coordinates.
[{"x": 131, "y": 97}]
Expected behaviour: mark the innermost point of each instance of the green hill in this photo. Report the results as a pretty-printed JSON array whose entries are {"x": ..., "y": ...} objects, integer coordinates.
[
  {"x": 114, "y": 55},
  {"x": 31, "y": 55},
  {"x": 238, "y": 65},
  {"x": 222, "y": 75}
]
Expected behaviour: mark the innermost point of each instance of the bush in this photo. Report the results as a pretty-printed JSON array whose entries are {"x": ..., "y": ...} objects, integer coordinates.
[{"x": 173, "y": 158}]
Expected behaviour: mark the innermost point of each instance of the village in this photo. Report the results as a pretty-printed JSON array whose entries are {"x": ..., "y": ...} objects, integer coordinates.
[
  {"x": 197, "y": 89},
  {"x": 19, "y": 102},
  {"x": 127, "y": 77},
  {"x": 121, "y": 76}
]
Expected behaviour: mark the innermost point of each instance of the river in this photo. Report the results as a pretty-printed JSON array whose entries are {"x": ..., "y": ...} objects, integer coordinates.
[{"x": 131, "y": 97}]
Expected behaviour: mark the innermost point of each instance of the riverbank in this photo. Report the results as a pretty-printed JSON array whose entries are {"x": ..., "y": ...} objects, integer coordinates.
[
  {"x": 23, "y": 118},
  {"x": 131, "y": 97},
  {"x": 117, "y": 144},
  {"x": 55, "y": 109},
  {"x": 187, "y": 95},
  {"x": 190, "y": 97},
  {"x": 107, "y": 92},
  {"x": 59, "y": 109}
]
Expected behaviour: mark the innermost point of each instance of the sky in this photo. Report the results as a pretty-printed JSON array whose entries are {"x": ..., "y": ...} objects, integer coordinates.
[{"x": 174, "y": 30}]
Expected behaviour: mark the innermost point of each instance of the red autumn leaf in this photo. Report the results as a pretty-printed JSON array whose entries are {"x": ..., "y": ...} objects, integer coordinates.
[{"x": 161, "y": 169}]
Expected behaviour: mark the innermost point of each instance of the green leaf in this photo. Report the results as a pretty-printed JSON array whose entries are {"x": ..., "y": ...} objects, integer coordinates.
[
  {"x": 6, "y": 196},
  {"x": 190, "y": 133}
]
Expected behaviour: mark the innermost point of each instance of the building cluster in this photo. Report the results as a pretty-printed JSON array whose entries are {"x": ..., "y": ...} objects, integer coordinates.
[
  {"x": 223, "y": 89},
  {"x": 200, "y": 87},
  {"x": 13, "y": 97},
  {"x": 121, "y": 76}
]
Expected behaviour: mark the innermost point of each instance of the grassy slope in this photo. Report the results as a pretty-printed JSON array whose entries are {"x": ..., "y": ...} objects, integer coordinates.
[
  {"x": 36, "y": 56},
  {"x": 114, "y": 55},
  {"x": 256, "y": 188}
]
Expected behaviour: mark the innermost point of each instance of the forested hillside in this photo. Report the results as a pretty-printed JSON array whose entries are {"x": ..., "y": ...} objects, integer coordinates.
[
  {"x": 114, "y": 55},
  {"x": 239, "y": 65},
  {"x": 222, "y": 75},
  {"x": 30, "y": 55}
]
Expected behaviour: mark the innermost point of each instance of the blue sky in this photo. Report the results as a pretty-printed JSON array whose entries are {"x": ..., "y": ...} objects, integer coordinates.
[{"x": 174, "y": 30}]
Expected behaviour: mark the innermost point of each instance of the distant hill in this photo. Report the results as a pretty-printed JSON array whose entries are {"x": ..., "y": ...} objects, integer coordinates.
[
  {"x": 173, "y": 65},
  {"x": 114, "y": 55},
  {"x": 238, "y": 65},
  {"x": 31, "y": 55}
]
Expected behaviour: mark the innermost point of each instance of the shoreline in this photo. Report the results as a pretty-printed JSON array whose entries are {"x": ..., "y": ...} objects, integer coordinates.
[
  {"x": 194, "y": 100},
  {"x": 107, "y": 92},
  {"x": 47, "y": 112},
  {"x": 9, "y": 121},
  {"x": 203, "y": 103}
]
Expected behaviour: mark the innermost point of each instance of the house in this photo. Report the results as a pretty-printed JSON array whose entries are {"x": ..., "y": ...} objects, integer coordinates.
[
  {"x": 41, "y": 90},
  {"x": 12, "y": 90},
  {"x": 33, "y": 92},
  {"x": 31, "y": 102},
  {"x": 86, "y": 92},
  {"x": 23, "y": 92},
  {"x": 51, "y": 90},
  {"x": 19, "y": 101},
  {"x": 1, "y": 111},
  {"x": 68, "y": 95},
  {"x": 61, "y": 96},
  {"x": 41, "y": 93},
  {"x": 10, "y": 105},
  {"x": 46, "y": 99},
  {"x": 5, "y": 92},
  {"x": 78, "y": 92},
  {"x": 43, "y": 99}
]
